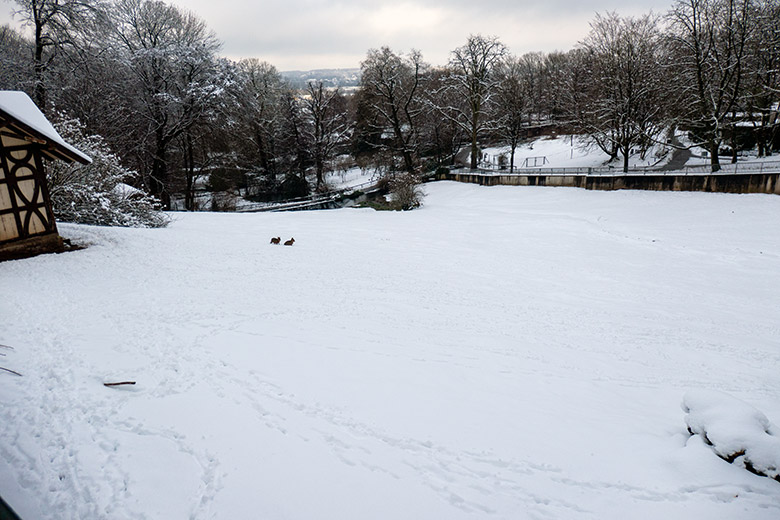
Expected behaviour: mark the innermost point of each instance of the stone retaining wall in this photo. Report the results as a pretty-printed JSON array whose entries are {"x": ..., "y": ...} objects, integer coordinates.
[{"x": 725, "y": 183}]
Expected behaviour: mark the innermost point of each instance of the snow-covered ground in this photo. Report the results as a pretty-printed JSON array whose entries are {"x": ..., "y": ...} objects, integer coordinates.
[
  {"x": 354, "y": 177},
  {"x": 350, "y": 178},
  {"x": 700, "y": 156},
  {"x": 502, "y": 352},
  {"x": 567, "y": 151}
]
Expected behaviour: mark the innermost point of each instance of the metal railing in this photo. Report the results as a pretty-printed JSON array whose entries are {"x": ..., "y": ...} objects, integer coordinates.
[
  {"x": 738, "y": 168},
  {"x": 306, "y": 202}
]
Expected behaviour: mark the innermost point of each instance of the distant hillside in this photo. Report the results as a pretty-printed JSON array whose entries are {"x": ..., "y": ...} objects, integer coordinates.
[{"x": 329, "y": 77}]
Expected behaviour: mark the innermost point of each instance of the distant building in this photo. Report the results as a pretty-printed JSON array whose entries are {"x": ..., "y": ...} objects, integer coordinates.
[{"x": 27, "y": 225}]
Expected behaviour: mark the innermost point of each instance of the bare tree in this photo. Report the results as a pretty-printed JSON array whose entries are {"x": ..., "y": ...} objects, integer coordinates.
[
  {"x": 293, "y": 134},
  {"x": 710, "y": 38},
  {"x": 170, "y": 54},
  {"x": 514, "y": 91},
  {"x": 54, "y": 23},
  {"x": 328, "y": 126},
  {"x": 472, "y": 75},
  {"x": 532, "y": 71},
  {"x": 15, "y": 66},
  {"x": 763, "y": 76},
  {"x": 392, "y": 86},
  {"x": 440, "y": 137},
  {"x": 260, "y": 95},
  {"x": 559, "y": 85},
  {"x": 623, "y": 103},
  {"x": 206, "y": 79}
]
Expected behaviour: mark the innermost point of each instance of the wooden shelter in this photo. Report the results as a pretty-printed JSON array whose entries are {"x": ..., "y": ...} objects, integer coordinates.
[{"x": 27, "y": 225}]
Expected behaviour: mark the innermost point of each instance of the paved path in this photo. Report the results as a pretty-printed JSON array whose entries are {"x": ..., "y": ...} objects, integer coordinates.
[{"x": 680, "y": 156}]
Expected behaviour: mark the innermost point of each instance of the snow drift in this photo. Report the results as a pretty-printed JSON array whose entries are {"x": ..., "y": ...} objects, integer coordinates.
[{"x": 737, "y": 432}]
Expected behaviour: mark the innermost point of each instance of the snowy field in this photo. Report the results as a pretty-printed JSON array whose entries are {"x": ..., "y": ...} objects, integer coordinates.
[
  {"x": 353, "y": 177},
  {"x": 549, "y": 152},
  {"x": 508, "y": 353},
  {"x": 566, "y": 151}
]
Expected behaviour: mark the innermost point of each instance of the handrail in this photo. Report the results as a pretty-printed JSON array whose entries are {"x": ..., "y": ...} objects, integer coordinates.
[
  {"x": 738, "y": 168},
  {"x": 302, "y": 202}
]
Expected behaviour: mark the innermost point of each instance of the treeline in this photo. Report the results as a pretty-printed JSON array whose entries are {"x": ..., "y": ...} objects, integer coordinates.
[{"x": 148, "y": 78}]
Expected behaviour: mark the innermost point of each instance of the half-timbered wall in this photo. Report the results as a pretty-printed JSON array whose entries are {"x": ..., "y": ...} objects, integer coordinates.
[{"x": 24, "y": 207}]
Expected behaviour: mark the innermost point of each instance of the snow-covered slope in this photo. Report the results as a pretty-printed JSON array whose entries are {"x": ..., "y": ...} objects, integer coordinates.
[
  {"x": 567, "y": 151},
  {"x": 503, "y": 352}
]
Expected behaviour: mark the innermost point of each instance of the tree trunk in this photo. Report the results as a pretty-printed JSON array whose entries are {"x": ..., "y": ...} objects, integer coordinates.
[
  {"x": 408, "y": 161},
  {"x": 261, "y": 150},
  {"x": 761, "y": 137},
  {"x": 160, "y": 170},
  {"x": 39, "y": 89},
  {"x": 320, "y": 168},
  {"x": 439, "y": 147},
  {"x": 400, "y": 143},
  {"x": 189, "y": 195},
  {"x": 474, "y": 148},
  {"x": 714, "y": 160},
  {"x": 512, "y": 159},
  {"x": 626, "y": 153},
  {"x": 265, "y": 149},
  {"x": 733, "y": 137},
  {"x": 771, "y": 135}
]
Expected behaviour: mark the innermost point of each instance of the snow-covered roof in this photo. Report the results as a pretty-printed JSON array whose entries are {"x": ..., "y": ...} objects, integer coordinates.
[{"x": 18, "y": 109}]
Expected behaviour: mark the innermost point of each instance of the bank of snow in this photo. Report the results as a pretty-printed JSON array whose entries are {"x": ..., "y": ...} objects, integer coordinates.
[
  {"x": 504, "y": 352},
  {"x": 736, "y": 431}
]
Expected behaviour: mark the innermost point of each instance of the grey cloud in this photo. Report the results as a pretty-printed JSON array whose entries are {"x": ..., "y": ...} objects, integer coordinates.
[
  {"x": 324, "y": 28},
  {"x": 324, "y": 33}
]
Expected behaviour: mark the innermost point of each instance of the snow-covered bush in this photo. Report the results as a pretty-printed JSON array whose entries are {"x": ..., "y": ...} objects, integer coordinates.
[
  {"x": 97, "y": 193},
  {"x": 405, "y": 192},
  {"x": 737, "y": 432}
]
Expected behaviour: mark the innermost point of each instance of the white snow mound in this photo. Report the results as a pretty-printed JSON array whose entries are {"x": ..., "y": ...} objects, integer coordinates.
[{"x": 737, "y": 432}]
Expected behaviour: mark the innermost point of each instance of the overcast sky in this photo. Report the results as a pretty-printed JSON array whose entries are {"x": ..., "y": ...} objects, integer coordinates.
[{"x": 314, "y": 34}]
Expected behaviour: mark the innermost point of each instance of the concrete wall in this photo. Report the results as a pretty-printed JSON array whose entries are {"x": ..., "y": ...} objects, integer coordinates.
[{"x": 726, "y": 183}]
